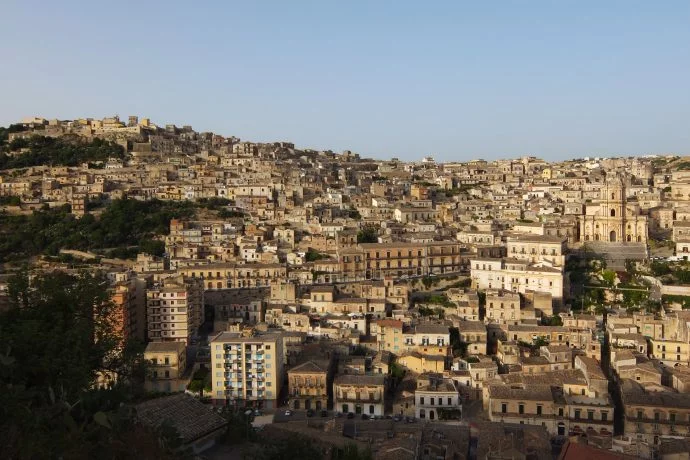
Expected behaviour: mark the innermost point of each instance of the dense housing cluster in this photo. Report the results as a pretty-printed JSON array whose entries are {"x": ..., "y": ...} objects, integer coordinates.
[{"x": 537, "y": 300}]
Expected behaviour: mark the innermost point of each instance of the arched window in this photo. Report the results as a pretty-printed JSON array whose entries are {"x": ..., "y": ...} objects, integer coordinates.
[
  {"x": 613, "y": 213},
  {"x": 613, "y": 196},
  {"x": 629, "y": 238}
]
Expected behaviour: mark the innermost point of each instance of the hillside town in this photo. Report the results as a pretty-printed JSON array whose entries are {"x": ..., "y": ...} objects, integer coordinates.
[{"x": 478, "y": 309}]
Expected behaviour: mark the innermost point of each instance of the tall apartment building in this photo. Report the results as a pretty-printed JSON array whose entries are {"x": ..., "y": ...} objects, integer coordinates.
[
  {"x": 247, "y": 371},
  {"x": 128, "y": 296},
  {"x": 175, "y": 309}
]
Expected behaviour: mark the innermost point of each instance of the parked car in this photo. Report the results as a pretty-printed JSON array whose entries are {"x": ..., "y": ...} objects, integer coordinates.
[
  {"x": 288, "y": 412},
  {"x": 350, "y": 415},
  {"x": 310, "y": 412},
  {"x": 324, "y": 413},
  {"x": 365, "y": 417}
]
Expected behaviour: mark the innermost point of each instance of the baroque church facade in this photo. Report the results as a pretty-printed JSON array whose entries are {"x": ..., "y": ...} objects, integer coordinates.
[{"x": 612, "y": 218}]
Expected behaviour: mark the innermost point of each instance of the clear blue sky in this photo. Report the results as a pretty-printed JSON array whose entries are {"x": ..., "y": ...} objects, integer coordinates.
[{"x": 457, "y": 80}]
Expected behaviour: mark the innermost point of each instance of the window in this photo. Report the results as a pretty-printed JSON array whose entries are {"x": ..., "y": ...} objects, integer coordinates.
[
  {"x": 521, "y": 409},
  {"x": 590, "y": 415},
  {"x": 560, "y": 412},
  {"x": 672, "y": 417},
  {"x": 577, "y": 414},
  {"x": 640, "y": 414},
  {"x": 604, "y": 416},
  {"x": 450, "y": 402},
  {"x": 504, "y": 408},
  {"x": 538, "y": 410},
  {"x": 421, "y": 400}
]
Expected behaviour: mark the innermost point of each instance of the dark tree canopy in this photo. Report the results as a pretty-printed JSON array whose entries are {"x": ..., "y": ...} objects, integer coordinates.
[
  {"x": 124, "y": 228},
  {"x": 57, "y": 151},
  {"x": 55, "y": 339}
]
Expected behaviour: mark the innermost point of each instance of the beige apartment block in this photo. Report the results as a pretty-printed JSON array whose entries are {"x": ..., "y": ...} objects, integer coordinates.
[{"x": 246, "y": 371}]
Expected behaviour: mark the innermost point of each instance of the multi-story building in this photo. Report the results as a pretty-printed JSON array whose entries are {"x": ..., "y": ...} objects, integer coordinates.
[
  {"x": 381, "y": 260},
  {"x": 652, "y": 416},
  {"x": 561, "y": 411},
  {"x": 360, "y": 394},
  {"x": 517, "y": 276},
  {"x": 230, "y": 275},
  {"x": 389, "y": 335},
  {"x": 175, "y": 309},
  {"x": 538, "y": 248},
  {"x": 436, "y": 398},
  {"x": 167, "y": 366},
  {"x": 502, "y": 307},
  {"x": 247, "y": 371},
  {"x": 467, "y": 302},
  {"x": 308, "y": 385},
  {"x": 670, "y": 352},
  {"x": 128, "y": 296},
  {"x": 473, "y": 333}
]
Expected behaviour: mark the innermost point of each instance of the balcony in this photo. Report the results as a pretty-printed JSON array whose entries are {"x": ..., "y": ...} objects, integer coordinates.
[{"x": 359, "y": 400}]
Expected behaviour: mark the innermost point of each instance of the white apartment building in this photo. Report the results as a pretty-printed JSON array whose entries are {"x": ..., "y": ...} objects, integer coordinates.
[{"x": 175, "y": 310}]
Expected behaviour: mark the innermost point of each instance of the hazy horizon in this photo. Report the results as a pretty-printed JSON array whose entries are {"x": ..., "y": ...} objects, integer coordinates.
[{"x": 453, "y": 81}]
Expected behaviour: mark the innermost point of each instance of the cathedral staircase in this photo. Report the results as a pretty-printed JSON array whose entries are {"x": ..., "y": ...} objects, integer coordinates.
[{"x": 615, "y": 254}]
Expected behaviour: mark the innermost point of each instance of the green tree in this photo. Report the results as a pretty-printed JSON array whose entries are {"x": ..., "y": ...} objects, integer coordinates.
[
  {"x": 57, "y": 337},
  {"x": 609, "y": 277},
  {"x": 367, "y": 235},
  {"x": 54, "y": 151},
  {"x": 312, "y": 255},
  {"x": 554, "y": 320}
]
